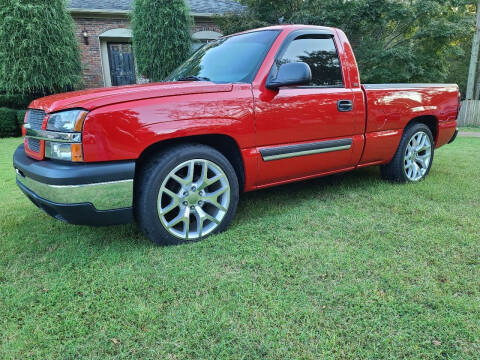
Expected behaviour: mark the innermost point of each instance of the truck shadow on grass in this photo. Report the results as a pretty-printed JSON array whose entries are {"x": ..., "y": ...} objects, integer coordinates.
[
  {"x": 252, "y": 207},
  {"x": 262, "y": 202},
  {"x": 266, "y": 202}
]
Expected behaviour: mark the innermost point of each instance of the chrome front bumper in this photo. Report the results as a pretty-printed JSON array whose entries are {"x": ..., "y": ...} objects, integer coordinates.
[
  {"x": 86, "y": 194},
  {"x": 103, "y": 196}
]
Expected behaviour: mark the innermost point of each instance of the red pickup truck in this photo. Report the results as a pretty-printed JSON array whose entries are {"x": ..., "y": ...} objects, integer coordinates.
[{"x": 248, "y": 111}]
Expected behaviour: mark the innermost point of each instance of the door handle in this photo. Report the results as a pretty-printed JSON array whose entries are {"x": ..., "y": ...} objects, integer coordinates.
[{"x": 344, "y": 105}]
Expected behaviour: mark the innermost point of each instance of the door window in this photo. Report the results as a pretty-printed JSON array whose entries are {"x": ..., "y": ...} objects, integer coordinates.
[{"x": 320, "y": 53}]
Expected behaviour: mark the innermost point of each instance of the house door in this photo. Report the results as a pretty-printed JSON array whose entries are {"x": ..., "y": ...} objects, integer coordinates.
[{"x": 122, "y": 65}]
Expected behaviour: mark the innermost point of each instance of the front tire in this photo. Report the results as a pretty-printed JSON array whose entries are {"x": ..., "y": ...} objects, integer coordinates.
[
  {"x": 414, "y": 157},
  {"x": 185, "y": 194}
]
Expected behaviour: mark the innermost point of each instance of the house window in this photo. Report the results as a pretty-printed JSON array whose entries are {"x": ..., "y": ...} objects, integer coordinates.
[{"x": 201, "y": 38}]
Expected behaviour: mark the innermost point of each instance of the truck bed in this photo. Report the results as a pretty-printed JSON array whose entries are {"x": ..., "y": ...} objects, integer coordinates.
[{"x": 392, "y": 106}]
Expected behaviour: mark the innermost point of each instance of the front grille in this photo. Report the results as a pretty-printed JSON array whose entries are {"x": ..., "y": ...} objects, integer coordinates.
[
  {"x": 34, "y": 144},
  {"x": 35, "y": 119}
]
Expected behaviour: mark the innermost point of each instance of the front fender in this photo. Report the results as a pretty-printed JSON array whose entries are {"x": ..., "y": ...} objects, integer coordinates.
[{"x": 123, "y": 131}]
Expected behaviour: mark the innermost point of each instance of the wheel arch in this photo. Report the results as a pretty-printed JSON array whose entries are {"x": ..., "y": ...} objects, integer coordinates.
[
  {"x": 429, "y": 120},
  {"x": 225, "y": 144}
]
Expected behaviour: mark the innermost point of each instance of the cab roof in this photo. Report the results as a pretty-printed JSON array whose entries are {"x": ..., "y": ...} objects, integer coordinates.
[{"x": 293, "y": 27}]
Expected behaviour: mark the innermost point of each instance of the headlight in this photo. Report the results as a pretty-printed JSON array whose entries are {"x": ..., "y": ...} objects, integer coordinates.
[
  {"x": 66, "y": 146},
  {"x": 63, "y": 151},
  {"x": 67, "y": 121}
]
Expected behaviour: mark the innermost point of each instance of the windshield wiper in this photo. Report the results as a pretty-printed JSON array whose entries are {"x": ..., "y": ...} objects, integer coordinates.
[{"x": 194, "y": 78}]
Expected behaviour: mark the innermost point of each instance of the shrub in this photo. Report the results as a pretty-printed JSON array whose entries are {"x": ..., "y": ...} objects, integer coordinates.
[
  {"x": 39, "y": 54},
  {"x": 15, "y": 101},
  {"x": 20, "y": 119},
  {"x": 8, "y": 122},
  {"x": 161, "y": 36}
]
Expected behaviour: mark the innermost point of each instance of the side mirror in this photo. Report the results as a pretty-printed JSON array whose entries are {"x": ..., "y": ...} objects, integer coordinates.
[{"x": 297, "y": 73}]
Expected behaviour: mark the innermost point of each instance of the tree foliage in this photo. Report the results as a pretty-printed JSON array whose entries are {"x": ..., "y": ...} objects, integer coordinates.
[
  {"x": 272, "y": 10},
  {"x": 394, "y": 41},
  {"x": 161, "y": 36},
  {"x": 39, "y": 54}
]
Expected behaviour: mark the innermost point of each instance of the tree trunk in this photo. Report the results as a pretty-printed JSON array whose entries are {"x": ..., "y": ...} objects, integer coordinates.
[{"x": 474, "y": 58}]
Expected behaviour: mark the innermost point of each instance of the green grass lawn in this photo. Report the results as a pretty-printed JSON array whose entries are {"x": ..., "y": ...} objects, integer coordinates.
[
  {"x": 345, "y": 267},
  {"x": 469, "y": 129}
]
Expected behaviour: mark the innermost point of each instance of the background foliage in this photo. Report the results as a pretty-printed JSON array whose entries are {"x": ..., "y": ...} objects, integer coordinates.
[
  {"x": 39, "y": 54},
  {"x": 11, "y": 122},
  {"x": 8, "y": 122},
  {"x": 394, "y": 41},
  {"x": 161, "y": 36}
]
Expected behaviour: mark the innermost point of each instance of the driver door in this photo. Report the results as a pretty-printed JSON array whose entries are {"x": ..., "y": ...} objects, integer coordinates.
[{"x": 302, "y": 131}]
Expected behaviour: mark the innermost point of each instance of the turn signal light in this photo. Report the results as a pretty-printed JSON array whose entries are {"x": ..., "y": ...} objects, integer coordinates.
[{"x": 77, "y": 152}]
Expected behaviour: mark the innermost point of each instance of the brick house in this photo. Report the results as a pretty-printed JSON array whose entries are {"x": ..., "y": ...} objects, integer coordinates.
[{"x": 105, "y": 38}]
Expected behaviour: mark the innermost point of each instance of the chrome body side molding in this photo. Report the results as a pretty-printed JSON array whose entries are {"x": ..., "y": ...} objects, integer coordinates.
[{"x": 289, "y": 151}]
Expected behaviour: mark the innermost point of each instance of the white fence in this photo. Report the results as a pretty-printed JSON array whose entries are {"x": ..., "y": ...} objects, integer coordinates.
[{"x": 469, "y": 113}]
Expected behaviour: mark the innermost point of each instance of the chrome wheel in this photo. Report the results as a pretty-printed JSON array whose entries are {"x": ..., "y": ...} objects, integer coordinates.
[
  {"x": 418, "y": 156},
  {"x": 193, "y": 199}
]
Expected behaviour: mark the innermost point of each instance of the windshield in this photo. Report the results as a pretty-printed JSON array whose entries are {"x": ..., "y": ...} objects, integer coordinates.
[{"x": 233, "y": 59}]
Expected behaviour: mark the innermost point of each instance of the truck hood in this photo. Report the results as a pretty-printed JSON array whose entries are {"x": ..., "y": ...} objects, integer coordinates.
[{"x": 95, "y": 98}]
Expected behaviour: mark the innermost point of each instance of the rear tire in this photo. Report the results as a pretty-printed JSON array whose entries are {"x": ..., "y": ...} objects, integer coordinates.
[
  {"x": 185, "y": 194},
  {"x": 414, "y": 157}
]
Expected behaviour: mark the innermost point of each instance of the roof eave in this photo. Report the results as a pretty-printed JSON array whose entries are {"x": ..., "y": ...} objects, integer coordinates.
[
  {"x": 99, "y": 12},
  {"x": 122, "y": 13}
]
